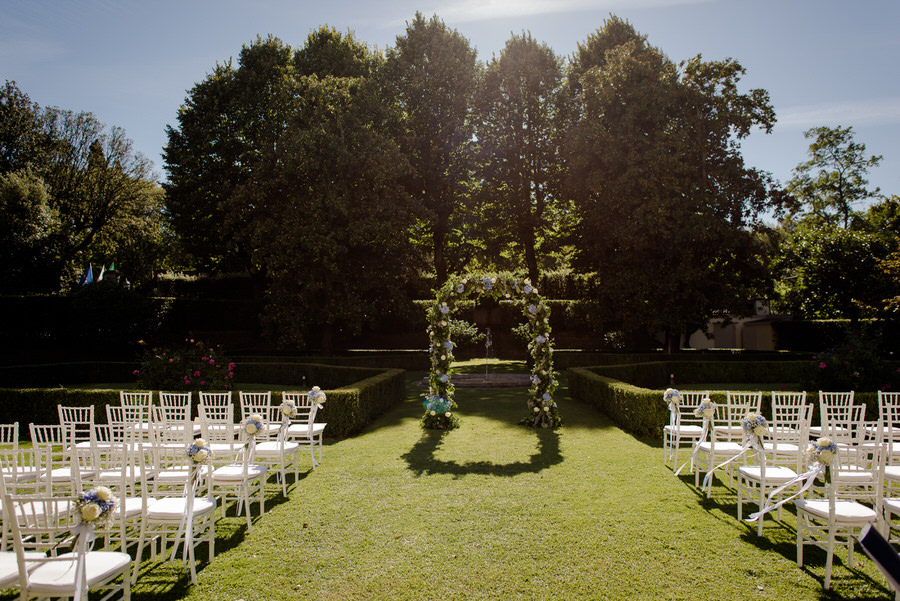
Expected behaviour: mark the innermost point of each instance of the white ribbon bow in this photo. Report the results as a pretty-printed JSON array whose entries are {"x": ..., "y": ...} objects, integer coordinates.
[
  {"x": 808, "y": 478},
  {"x": 752, "y": 442}
]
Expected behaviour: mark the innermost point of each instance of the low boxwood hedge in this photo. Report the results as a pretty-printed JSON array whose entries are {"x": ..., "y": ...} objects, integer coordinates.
[
  {"x": 351, "y": 405},
  {"x": 638, "y": 407}
]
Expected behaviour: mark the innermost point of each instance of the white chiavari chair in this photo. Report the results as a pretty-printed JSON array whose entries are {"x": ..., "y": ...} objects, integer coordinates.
[
  {"x": 687, "y": 427},
  {"x": 38, "y": 524},
  {"x": 849, "y": 501}
]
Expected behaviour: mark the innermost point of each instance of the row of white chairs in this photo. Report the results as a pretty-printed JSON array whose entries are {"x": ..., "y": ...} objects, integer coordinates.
[
  {"x": 141, "y": 456},
  {"x": 863, "y": 487}
]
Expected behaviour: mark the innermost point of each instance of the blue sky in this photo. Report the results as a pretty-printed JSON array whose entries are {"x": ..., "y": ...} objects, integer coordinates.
[{"x": 132, "y": 62}]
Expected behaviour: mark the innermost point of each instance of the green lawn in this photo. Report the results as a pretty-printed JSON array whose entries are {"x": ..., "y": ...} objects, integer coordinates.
[{"x": 495, "y": 510}]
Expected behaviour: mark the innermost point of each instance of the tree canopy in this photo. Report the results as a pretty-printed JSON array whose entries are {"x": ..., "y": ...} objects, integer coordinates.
[{"x": 74, "y": 192}]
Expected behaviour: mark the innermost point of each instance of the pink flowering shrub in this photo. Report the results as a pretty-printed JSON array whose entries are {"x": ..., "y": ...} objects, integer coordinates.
[
  {"x": 197, "y": 366},
  {"x": 854, "y": 365}
]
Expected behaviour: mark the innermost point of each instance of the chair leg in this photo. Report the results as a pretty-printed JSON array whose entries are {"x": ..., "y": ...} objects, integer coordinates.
[
  {"x": 137, "y": 555},
  {"x": 829, "y": 560}
]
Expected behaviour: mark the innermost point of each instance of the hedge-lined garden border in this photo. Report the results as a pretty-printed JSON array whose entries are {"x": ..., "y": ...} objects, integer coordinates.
[
  {"x": 350, "y": 406},
  {"x": 640, "y": 410}
]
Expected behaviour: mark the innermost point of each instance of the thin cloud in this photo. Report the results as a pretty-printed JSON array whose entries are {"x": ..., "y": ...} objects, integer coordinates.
[
  {"x": 484, "y": 10},
  {"x": 874, "y": 111}
]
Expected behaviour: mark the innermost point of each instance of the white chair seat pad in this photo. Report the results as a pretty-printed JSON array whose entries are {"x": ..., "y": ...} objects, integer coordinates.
[
  {"x": 172, "y": 509},
  {"x": 854, "y": 475},
  {"x": 892, "y": 472},
  {"x": 891, "y": 504},
  {"x": 235, "y": 472},
  {"x": 303, "y": 429},
  {"x": 274, "y": 449},
  {"x": 132, "y": 505},
  {"x": 685, "y": 431},
  {"x": 721, "y": 448},
  {"x": 9, "y": 566},
  {"x": 787, "y": 448},
  {"x": 55, "y": 578},
  {"x": 775, "y": 474},
  {"x": 844, "y": 511}
]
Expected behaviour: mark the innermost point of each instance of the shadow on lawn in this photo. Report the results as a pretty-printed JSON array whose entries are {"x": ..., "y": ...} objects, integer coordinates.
[
  {"x": 780, "y": 536},
  {"x": 421, "y": 458}
]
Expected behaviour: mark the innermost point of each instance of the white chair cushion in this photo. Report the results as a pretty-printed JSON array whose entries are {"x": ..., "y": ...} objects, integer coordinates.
[
  {"x": 775, "y": 474},
  {"x": 273, "y": 449},
  {"x": 235, "y": 472},
  {"x": 303, "y": 429},
  {"x": 891, "y": 504},
  {"x": 854, "y": 475},
  {"x": 132, "y": 505},
  {"x": 844, "y": 511},
  {"x": 781, "y": 447},
  {"x": 892, "y": 472},
  {"x": 9, "y": 567},
  {"x": 57, "y": 578},
  {"x": 685, "y": 431},
  {"x": 722, "y": 448},
  {"x": 172, "y": 509}
]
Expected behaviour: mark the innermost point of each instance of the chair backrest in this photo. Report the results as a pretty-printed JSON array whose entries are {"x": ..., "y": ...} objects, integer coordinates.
[
  {"x": 17, "y": 470},
  {"x": 791, "y": 417},
  {"x": 136, "y": 398},
  {"x": 215, "y": 399},
  {"x": 9, "y": 435},
  {"x": 889, "y": 418},
  {"x": 125, "y": 420},
  {"x": 845, "y": 424},
  {"x": 832, "y": 401},
  {"x": 856, "y": 473},
  {"x": 256, "y": 402},
  {"x": 38, "y": 522},
  {"x": 176, "y": 401},
  {"x": 737, "y": 406},
  {"x": 217, "y": 423},
  {"x": 172, "y": 424},
  {"x": 82, "y": 418}
]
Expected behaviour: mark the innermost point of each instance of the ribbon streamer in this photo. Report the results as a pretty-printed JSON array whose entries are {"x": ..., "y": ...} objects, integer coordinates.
[
  {"x": 185, "y": 532},
  {"x": 751, "y": 442},
  {"x": 703, "y": 433},
  {"x": 808, "y": 478},
  {"x": 84, "y": 542}
]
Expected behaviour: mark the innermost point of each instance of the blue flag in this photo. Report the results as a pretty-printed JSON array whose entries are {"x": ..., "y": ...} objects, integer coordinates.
[{"x": 87, "y": 277}]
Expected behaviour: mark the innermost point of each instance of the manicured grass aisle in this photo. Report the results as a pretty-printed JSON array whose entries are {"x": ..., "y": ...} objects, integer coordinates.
[{"x": 494, "y": 510}]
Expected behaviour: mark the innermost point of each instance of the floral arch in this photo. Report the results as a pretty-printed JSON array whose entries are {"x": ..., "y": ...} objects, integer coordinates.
[{"x": 439, "y": 404}]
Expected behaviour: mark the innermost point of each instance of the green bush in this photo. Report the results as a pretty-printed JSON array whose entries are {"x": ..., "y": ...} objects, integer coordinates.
[
  {"x": 350, "y": 406},
  {"x": 853, "y": 365},
  {"x": 196, "y": 367}
]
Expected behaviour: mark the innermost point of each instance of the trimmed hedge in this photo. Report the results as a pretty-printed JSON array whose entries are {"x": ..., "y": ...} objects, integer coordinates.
[
  {"x": 642, "y": 412},
  {"x": 349, "y": 408}
]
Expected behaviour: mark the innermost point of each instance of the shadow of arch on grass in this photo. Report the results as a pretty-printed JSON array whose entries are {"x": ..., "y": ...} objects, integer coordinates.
[{"x": 422, "y": 459}]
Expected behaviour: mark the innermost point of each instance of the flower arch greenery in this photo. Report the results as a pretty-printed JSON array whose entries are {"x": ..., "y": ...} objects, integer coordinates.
[{"x": 439, "y": 404}]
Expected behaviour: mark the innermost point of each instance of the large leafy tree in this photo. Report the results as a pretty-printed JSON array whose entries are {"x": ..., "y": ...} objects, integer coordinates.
[
  {"x": 666, "y": 202},
  {"x": 227, "y": 123},
  {"x": 834, "y": 273},
  {"x": 71, "y": 188},
  {"x": 324, "y": 213},
  {"x": 833, "y": 179},
  {"x": 518, "y": 108},
  {"x": 430, "y": 76},
  {"x": 830, "y": 261},
  {"x": 329, "y": 52}
]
